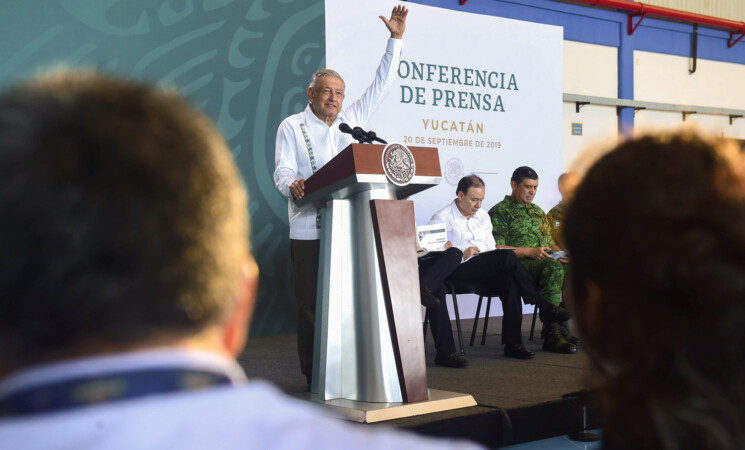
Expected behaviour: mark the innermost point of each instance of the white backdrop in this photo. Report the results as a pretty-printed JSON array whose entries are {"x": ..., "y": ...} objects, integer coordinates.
[
  {"x": 504, "y": 80},
  {"x": 517, "y": 121}
]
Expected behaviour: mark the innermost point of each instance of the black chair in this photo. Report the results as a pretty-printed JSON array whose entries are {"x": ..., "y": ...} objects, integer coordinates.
[
  {"x": 486, "y": 321},
  {"x": 454, "y": 288}
]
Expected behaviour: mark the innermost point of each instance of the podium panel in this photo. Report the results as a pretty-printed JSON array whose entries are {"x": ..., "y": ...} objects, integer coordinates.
[
  {"x": 353, "y": 356},
  {"x": 394, "y": 226}
]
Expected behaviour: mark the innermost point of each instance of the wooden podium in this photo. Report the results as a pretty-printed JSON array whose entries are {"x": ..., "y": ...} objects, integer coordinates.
[{"x": 368, "y": 334}]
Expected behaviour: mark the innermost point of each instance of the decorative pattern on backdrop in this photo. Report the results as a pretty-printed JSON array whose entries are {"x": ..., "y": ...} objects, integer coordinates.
[{"x": 244, "y": 63}]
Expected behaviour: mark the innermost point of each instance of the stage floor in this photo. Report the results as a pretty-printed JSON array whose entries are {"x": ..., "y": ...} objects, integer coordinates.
[{"x": 518, "y": 400}]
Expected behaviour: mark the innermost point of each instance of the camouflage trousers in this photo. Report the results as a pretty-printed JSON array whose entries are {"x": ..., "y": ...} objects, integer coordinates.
[{"x": 549, "y": 275}]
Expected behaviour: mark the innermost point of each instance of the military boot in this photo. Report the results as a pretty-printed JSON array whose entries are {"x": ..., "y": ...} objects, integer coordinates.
[
  {"x": 566, "y": 332},
  {"x": 553, "y": 340}
]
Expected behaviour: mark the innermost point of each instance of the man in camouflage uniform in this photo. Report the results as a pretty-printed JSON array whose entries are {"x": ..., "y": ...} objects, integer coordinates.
[
  {"x": 568, "y": 182},
  {"x": 517, "y": 222}
]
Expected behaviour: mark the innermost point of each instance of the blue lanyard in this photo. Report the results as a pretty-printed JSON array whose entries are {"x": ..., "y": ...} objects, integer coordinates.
[{"x": 96, "y": 390}]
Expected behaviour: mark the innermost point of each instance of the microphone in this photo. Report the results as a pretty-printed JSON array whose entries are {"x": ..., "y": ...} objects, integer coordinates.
[
  {"x": 361, "y": 135},
  {"x": 345, "y": 128},
  {"x": 356, "y": 132},
  {"x": 373, "y": 137}
]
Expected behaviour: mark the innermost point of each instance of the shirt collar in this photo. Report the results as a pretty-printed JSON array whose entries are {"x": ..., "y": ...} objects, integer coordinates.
[
  {"x": 456, "y": 212},
  {"x": 512, "y": 201},
  {"x": 167, "y": 357}
]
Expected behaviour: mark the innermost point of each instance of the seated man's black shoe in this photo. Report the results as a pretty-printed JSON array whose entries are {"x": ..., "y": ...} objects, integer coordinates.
[
  {"x": 429, "y": 300},
  {"x": 554, "y": 314},
  {"x": 518, "y": 351},
  {"x": 451, "y": 360}
]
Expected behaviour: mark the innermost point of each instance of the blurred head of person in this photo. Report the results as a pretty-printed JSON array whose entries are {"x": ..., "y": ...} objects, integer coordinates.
[
  {"x": 656, "y": 230},
  {"x": 124, "y": 223},
  {"x": 568, "y": 182}
]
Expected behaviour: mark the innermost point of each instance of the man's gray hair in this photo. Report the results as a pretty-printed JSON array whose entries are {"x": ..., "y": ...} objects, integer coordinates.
[{"x": 323, "y": 73}]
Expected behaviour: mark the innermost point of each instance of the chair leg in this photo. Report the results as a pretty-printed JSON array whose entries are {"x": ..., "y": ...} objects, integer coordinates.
[
  {"x": 532, "y": 327},
  {"x": 486, "y": 321},
  {"x": 457, "y": 324},
  {"x": 426, "y": 321},
  {"x": 476, "y": 320}
]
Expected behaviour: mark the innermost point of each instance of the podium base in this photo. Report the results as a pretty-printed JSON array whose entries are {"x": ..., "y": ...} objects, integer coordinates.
[{"x": 365, "y": 412}]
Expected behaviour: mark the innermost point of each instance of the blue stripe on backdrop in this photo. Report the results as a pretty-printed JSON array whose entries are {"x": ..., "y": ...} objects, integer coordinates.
[{"x": 592, "y": 25}]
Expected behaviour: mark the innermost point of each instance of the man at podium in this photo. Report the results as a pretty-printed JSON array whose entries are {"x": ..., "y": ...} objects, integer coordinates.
[{"x": 305, "y": 142}]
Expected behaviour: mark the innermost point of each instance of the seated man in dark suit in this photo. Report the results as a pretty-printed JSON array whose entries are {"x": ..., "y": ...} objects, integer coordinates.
[
  {"x": 127, "y": 283},
  {"x": 469, "y": 229}
]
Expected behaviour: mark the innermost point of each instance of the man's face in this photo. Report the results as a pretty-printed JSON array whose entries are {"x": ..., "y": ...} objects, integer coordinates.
[
  {"x": 470, "y": 202},
  {"x": 524, "y": 192},
  {"x": 327, "y": 98}
]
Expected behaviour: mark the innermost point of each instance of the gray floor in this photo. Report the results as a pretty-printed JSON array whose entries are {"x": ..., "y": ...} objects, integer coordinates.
[{"x": 493, "y": 380}]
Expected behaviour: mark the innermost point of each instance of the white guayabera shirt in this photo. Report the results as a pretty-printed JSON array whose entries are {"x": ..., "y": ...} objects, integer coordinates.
[
  {"x": 476, "y": 231},
  {"x": 303, "y": 135}
]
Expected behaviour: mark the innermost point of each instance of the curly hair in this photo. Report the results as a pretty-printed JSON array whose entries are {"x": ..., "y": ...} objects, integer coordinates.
[{"x": 656, "y": 231}]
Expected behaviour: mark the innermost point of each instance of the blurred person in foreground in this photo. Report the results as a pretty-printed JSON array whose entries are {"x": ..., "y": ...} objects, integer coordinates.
[
  {"x": 657, "y": 235},
  {"x": 127, "y": 283}
]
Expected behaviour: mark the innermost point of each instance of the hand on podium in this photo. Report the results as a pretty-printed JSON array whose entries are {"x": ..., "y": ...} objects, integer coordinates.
[
  {"x": 397, "y": 23},
  {"x": 297, "y": 188}
]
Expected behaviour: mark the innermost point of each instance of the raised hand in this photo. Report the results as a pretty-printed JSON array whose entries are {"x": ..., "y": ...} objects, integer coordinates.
[{"x": 397, "y": 23}]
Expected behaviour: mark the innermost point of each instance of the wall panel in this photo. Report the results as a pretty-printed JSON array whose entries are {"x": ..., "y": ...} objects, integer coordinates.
[
  {"x": 589, "y": 70},
  {"x": 665, "y": 79}
]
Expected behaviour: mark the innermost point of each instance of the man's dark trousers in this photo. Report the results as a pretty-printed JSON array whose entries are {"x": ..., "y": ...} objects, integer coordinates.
[
  {"x": 500, "y": 272},
  {"x": 305, "y": 261},
  {"x": 433, "y": 269}
]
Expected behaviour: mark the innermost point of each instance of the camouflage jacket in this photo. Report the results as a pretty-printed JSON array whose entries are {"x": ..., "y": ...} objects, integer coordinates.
[
  {"x": 520, "y": 225},
  {"x": 556, "y": 220}
]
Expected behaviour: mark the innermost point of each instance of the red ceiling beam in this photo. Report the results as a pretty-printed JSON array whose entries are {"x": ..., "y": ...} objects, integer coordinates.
[{"x": 640, "y": 10}]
